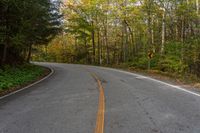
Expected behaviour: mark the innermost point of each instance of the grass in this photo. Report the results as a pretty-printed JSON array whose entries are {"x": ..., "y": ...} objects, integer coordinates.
[{"x": 12, "y": 77}]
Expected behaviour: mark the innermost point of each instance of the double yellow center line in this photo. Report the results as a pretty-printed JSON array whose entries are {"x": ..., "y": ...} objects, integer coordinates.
[{"x": 101, "y": 107}]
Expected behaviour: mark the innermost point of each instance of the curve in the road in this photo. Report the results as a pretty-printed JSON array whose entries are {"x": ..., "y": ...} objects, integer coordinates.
[{"x": 69, "y": 101}]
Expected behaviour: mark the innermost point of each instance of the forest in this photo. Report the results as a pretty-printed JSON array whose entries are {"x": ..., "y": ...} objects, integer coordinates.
[
  {"x": 26, "y": 23},
  {"x": 161, "y": 35},
  {"x": 148, "y": 34}
]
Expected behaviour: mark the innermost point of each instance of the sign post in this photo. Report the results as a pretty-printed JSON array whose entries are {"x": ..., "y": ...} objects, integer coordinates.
[{"x": 150, "y": 56}]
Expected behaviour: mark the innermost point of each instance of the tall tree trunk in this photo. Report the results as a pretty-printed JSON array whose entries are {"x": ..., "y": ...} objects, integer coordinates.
[
  {"x": 93, "y": 44},
  {"x": 135, "y": 43},
  {"x": 29, "y": 53},
  {"x": 98, "y": 47},
  {"x": 106, "y": 36},
  {"x": 76, "y": 48},
  {"x": 133, "y": 48},
  {"x": 197, "y": 6},
  {"x": 149, "y": 24},
  {"x": 102, "y": 49},
  {"x": 107, "y": 47},
  {"x": 4, "y": 54},
  {"x": 114, "y": 54},
  {"x": 85, "y": 46},
  {"x": 122, "y": 46},
  {"x": 7, "y": 38},
  {"x": 182, "y": 36},
  {"x": 176, "y": 21},
  {"x": 152, "y": 30},
  {"x": 125, "y": 33},
  {"x": 149, "y": 6},
  {"x": 163, "y": 32},
  {"x": 125, "y": 44},
  {"x": 177, "y": 33}
]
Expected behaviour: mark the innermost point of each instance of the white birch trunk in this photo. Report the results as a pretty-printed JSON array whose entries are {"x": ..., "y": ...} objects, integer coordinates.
[
  {"x": 197, "y": 6},
  {"x": 152, "y": 30},
  {"x": 163, "y": 32}
]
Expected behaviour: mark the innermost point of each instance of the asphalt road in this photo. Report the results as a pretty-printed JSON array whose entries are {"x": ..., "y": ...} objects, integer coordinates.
[{"x": 67, "y": 102}]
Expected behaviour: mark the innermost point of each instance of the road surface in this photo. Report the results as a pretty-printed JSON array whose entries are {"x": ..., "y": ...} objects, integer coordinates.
[{"x": 68, "y": 102}]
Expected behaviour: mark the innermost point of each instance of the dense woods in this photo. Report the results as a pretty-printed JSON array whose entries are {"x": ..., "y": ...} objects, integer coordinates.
[
  {"x": 156, "y": 34},
  {"x": 146, "y": 34},
  {"x": 26, "y": 23}
]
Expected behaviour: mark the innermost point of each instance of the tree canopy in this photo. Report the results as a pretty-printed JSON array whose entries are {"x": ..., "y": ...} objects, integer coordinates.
[
  {"x": 146, "y": 34},
  {"x": 26, "y": 23}
]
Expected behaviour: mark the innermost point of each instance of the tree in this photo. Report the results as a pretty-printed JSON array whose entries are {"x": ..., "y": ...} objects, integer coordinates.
[
  {"x": 26, "y": 23},
  {"x": 125, "y": 31}
]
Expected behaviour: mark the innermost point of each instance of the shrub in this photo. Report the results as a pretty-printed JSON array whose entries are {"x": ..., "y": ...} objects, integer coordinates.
[{"x": 15, "y": 76}]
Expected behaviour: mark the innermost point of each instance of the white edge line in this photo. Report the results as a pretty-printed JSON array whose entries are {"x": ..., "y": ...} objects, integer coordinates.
[
  {"x": 155, "y": 80},
  {"x": 14, "y": 92}
]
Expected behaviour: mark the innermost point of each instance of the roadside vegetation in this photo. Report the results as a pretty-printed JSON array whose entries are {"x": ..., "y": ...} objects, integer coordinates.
[
  {"x": 23, "y": 25},
  {"x": 158, "y": 35},
  {"x": 186, "y": 80},
  {"x": 15, "y": 77},
  {"x": 155, "y": 35},
  {"x": 26, "y": 23}
]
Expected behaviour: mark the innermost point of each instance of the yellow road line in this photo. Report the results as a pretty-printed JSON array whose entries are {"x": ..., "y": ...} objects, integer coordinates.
[{"x": 101, "y": 107}]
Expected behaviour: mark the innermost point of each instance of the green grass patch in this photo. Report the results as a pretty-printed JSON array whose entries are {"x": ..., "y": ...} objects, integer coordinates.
[{"x": 11, "y": 77}]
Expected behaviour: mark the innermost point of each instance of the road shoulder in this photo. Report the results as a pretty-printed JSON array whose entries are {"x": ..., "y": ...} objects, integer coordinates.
[{"x": 167, "y": 80}]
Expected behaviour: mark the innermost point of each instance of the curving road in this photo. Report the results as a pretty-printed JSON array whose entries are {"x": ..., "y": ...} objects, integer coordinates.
[{"x": 68, "y": 102}]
